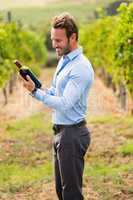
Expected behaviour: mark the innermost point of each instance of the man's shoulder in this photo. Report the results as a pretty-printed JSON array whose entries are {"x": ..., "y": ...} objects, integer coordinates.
[
  {"x": 82, "y": 69},
  {"x": 82, "y": 64},
  {"x": 85, "y": 60}
]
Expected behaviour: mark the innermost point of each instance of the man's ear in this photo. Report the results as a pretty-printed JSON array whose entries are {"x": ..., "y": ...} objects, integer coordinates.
[{"x": 73, "y": 36}]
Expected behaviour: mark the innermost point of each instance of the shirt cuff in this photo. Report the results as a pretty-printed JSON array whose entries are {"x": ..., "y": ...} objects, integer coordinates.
[{"x": 38, "y": 94}]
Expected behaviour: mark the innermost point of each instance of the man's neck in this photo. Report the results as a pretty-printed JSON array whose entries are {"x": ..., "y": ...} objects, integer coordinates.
[{"x": 74, "y": 47}]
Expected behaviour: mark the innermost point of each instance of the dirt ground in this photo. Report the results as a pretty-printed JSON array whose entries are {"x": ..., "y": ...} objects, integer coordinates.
[{"x": 101, "y": 102}]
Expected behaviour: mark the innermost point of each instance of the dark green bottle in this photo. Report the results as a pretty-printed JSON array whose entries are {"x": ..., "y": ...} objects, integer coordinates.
[{"x": 24, "y": 71}]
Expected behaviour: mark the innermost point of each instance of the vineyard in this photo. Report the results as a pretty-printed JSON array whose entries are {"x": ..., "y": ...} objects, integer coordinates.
[
  {"x": 26, "y": 156},
  {"x": 109, "y": 44},
  {"x": 17, "y": 43}
]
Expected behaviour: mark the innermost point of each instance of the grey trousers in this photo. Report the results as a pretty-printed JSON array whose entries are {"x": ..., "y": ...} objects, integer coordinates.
[{"x": 70, "y": 146}]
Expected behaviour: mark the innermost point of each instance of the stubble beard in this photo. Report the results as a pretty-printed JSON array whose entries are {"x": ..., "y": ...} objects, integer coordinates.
[{"x": 64, "y": 51}]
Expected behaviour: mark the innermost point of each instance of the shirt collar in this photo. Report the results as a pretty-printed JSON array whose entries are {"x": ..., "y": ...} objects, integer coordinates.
[{"x": 74, "y": 53}]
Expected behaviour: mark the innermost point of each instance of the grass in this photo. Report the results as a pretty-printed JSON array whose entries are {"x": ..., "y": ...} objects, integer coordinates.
[
  {"x": 28, "y": 127},
  {"x": 14, "y": 177},
  {"x": 25, "y": 156},
  {"x": 109, "y": 180},
  {"x": 122, "y": 125},
  {"x": 105, "y": 170},
  {"x": 111, "y": 169},
  {"x": 126, "y": 148},
  {"x": 102, "y": 119}
]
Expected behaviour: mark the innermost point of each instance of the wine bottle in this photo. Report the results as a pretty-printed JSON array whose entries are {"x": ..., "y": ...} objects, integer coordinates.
[{"x": 24, "y": 71}]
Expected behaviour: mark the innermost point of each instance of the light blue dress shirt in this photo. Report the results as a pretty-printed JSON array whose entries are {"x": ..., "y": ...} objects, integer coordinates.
[{"x": 69, "y": 91}]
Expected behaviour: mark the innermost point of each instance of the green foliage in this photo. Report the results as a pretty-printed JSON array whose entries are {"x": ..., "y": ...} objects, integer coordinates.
[
  {"x": 14, "y": 177},
  {"x": 124, "y": 44},
  {"x": 127, "y": 148},
  {"x": 109, "y": 44},
  {"x": 16, "y": 43}
]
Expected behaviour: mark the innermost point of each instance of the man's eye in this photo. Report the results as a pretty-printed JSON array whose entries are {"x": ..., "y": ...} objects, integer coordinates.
[{"x": 58, "y": 40}]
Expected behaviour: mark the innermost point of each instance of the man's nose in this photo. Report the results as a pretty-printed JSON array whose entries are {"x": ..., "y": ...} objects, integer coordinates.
[{"x": 56, "y": 46}]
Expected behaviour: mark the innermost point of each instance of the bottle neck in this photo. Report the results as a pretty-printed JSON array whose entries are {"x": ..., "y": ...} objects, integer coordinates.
[{"x": 18, "y": 64}]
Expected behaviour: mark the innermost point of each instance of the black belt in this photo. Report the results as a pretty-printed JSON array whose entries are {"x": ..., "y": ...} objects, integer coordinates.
[{"x": 58, "y": 127}]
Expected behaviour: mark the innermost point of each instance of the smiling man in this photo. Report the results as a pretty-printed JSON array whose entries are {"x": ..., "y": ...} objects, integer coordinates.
[{"x": 67, "y": 96}]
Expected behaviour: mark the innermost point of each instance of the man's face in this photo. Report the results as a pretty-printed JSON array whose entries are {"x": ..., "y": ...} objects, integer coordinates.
[{"x": 60, "y": 41}]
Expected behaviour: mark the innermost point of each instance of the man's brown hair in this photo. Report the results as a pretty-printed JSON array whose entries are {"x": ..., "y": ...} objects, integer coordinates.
[{"x": 67, "y": 22}]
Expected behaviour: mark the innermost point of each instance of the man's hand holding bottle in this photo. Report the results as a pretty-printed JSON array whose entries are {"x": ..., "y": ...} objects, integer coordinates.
[
  {"x": 28, "y": 84},
  {"x": 30, "y": 81}
]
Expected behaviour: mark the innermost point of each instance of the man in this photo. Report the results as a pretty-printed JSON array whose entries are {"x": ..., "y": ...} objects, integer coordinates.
[{"x": 68, "y": 98}]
